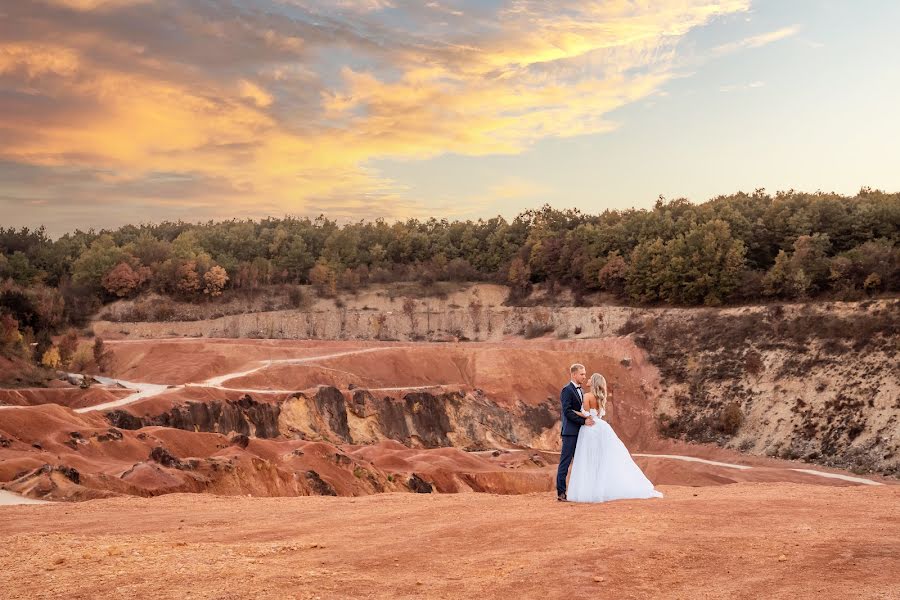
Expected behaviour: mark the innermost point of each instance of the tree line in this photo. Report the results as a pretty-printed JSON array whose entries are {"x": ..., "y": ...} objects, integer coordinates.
[{"x": 731, "y": 249}]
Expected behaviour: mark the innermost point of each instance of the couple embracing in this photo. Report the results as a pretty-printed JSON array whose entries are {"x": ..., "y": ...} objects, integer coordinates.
[{"x": 603, "y": 468}]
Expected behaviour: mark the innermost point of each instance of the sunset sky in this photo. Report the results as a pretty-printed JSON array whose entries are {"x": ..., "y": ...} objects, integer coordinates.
[{"x": 128, "y": 111}]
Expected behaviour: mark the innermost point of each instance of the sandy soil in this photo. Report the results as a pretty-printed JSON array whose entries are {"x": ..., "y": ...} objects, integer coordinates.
[{"x": 739, "y": 541}]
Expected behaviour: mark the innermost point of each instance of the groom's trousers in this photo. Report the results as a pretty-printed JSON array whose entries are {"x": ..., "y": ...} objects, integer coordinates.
[{"x": 565, "y": 459}]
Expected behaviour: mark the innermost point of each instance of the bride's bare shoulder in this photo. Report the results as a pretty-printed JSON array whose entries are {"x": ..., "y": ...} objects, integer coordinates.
[{"x": 590, "y": 400}]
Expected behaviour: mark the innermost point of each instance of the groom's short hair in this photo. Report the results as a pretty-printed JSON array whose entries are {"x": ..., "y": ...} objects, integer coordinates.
[{"x": 576, "y": 367}]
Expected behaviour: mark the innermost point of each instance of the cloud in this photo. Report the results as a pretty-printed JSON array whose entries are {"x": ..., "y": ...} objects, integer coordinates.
[
  {"x": 271, "y": 107},
  {"x": 757, "y": 41},
  {"x": 88, "y": 5},
  {"x": 742, "y": 87}
]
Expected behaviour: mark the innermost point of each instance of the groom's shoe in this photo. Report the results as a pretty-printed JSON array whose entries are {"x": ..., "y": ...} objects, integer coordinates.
[{"x": 562, "y": 498}]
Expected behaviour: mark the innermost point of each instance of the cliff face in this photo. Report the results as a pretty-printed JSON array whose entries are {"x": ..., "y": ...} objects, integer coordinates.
[
  {"x": 814, "y": 382},
  {"x": 475, "y": 313},
  {"x": 417, "y": 419}
]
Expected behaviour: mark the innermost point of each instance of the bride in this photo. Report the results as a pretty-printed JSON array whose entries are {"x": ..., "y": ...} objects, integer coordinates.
[{"x": 603, "y": 468}]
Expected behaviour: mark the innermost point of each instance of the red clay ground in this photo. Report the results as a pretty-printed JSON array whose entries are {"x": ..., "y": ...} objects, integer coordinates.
[
  {"x": 742, "y": 541},
  {"x": 39, "y": 432}
]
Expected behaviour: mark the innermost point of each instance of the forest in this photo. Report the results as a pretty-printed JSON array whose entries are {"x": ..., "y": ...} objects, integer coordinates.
[{"x": 740, "y": 248}]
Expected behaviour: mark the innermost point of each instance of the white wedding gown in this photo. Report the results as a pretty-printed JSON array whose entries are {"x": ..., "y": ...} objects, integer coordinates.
[{"x": 603, "y": 468}]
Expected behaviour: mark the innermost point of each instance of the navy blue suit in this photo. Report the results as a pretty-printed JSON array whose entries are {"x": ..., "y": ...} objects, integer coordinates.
[{"x": 571, "y": 422}]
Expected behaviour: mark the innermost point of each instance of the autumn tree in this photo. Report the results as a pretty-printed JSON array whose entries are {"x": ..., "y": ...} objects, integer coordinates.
[
  {"x": 102, "y": 356},
  {"x": 51, "y": 359},
  {"x": 67, "y": 347},
  {"x": 122, "y": 280},
  {"x": 518, "y": 277},
  {"x": 215, "y": 280},
  {"x": 187, "y": 280},
  {"x": 323, "y": 278},
  {"x": 10, "y": 337},
  {"x": 613, "y": 275}
]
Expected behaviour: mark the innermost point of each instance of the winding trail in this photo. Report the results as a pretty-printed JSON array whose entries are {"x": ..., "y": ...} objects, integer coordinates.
[
  {"x": 143, "y": 391},
  {"x": 860, "y": 480},
  {"x": 839, "y": 476},
  {"x": 699, "y": 460},
  {"x": 218, "y": 381}
]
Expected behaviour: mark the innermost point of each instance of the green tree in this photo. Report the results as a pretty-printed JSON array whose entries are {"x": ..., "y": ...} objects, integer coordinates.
[
  {"x": 704, "y": 265},
  {"x": 19, "y": 268},
  {"x": 647, "y": 271},
  {"x": 98, "y": 260},
  {"x": 802, "y": 272},
  {"x": 149, "y": 250}
]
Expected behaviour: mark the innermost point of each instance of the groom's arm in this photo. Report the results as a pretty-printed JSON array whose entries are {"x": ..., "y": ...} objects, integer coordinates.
[{"x": 571, "y": 411}]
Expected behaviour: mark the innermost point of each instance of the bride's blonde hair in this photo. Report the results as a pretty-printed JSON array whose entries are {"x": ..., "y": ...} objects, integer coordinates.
[{"x": 598, "y": 389}]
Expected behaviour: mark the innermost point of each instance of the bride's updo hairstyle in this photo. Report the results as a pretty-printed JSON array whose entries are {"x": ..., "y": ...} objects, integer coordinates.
[{"x": 598, "y": 389}]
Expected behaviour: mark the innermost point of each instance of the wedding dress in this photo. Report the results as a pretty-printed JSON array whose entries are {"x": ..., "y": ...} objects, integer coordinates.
[{"x": 603, "y": 468}]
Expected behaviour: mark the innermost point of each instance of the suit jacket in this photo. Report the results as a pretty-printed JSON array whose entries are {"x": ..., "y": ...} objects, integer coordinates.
[{"x": 571, "y": 402}]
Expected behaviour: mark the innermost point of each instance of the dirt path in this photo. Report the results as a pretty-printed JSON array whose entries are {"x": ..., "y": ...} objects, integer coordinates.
[
  {"x": 219, "y": 380},
  {"x": 742, "y": 541}
]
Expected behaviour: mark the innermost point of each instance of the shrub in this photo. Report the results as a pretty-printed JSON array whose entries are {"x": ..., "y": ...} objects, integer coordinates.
[
  {"x": 296, "y": 297},
  {"x": 81, "y": 358},
  {"x": 535, "y": 330},
  {"x": 732, "y": 417},
  {"x": 162, "y": 310},
  {"x": 753, "y": 362}
]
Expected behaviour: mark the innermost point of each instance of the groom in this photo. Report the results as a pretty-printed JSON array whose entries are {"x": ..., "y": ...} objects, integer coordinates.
[{"x": 571, "y": 399}]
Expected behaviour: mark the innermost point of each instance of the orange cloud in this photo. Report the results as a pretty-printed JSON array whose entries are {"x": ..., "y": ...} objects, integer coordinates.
[{"x": 281, "y": 125}]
